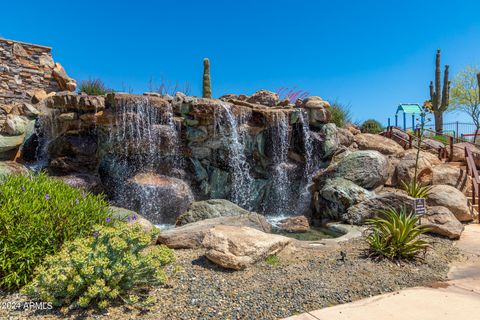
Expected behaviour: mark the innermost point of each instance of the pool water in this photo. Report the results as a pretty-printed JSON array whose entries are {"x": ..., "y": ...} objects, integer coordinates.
[{"x": 314, "y": 234}]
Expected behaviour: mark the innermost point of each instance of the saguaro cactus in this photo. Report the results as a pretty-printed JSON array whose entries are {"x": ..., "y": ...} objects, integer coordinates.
[
  {"x": 478, "y": 80},
  {"x": 206, "y": 88},
  {"x": 438, "y": 96}
]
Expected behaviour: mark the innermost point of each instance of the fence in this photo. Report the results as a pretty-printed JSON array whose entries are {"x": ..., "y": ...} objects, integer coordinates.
[{"x": 459, "y": 130}]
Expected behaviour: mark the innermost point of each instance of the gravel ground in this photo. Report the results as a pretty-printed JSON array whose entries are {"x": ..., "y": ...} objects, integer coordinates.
[{"x": 303, "y": 280}]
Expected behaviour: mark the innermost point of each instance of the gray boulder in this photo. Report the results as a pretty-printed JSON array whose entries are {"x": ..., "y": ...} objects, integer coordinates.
[
  {"x": 339, "y": 194},
  {"x": 367, "y": 168},
  {"x": 213, "y": 208},
  {"x": 331, "y": 141},
  {"x": 442, "y": 221},
  {"x": 372, "y": 207},
  {"x": 190, "y": 236}
]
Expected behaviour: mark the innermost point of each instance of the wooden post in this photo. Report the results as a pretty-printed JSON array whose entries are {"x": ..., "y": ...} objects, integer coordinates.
[{"x": 410, "y": 137}]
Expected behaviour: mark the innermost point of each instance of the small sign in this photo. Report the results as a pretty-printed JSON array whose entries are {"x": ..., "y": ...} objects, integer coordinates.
[{"x": 420, "y": 206}]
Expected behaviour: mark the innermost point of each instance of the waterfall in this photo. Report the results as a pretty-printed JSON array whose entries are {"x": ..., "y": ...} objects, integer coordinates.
[
  {"x": 227, "y": 126},
  {"x": 281, "y": 190},
  {"x": 309, "y": 167},
  {"x": 142, "y": 139}
]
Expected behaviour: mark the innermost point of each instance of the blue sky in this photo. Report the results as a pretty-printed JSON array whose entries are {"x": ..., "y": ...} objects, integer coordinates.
[{"x": 372, "y": 55}]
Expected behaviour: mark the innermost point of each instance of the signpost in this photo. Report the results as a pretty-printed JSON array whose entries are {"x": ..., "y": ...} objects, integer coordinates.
[{"x": 420, "y": 206}]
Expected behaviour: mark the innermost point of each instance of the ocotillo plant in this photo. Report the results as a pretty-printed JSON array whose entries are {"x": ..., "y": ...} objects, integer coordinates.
[
  {"x": 206, "y": 88},
  {"x": 438, "y": 97}
]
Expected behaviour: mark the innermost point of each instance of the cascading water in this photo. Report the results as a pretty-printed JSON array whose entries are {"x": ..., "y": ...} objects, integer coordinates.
[
  {"x": 227, "y": 126},
  {"x": 310, "y": 165},
  {"x": 142, "y": 145},
  {"x": 280, "y": 197}
]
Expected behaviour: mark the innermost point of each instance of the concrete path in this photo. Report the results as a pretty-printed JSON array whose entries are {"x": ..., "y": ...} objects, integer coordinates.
[{"x": 458, "y": 298}]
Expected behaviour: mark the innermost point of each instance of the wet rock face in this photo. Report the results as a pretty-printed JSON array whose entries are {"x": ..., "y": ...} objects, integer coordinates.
[
  {"x": 160, "y": 199},
  {"x": 208, "y": 209},
  {"x": 72, "y": 153}
]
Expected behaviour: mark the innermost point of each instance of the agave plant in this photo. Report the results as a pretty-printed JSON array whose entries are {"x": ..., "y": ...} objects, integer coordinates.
[
  {"x": 395, "y": 235},
  {"x": 416, "y": 190}
]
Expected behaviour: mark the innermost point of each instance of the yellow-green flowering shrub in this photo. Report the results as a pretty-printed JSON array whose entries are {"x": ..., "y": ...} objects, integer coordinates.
[
  {"x": 115, "y": 263},
  {"x": 37, "y": 215}
]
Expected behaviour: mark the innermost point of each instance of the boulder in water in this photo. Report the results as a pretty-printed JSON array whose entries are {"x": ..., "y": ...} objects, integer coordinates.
[
  {"x": 159, "y": 198},
  {"x": 295, "y": 224},
  {"x": 213, "y": 208}
]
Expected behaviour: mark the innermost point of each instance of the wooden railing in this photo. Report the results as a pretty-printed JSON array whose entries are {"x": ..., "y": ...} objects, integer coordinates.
[
  {"x": 412, "y": 142},
  {"x": 472, "y": 172}
]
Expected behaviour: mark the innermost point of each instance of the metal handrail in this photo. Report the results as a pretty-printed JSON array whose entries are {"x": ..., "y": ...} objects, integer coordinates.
[{"x": 475, "y": 177}]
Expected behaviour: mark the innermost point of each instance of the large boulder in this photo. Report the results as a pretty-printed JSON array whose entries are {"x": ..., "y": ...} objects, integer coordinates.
[
  {"x": 366, "y": 168},
  {"x": 11, "y": 167},
  {"x": 451, "y": 175},
  {"x": 451, "y": 198},
  {"x": 239, "y": 247},
  {"x": 330, "y": 139},
  {"x": 386, "y": 146},
  {"x": 190, "y": 236},
  {"x": 87, "y": 182},
  {"x": 339, "y": 194},
  {"x": 207, "y": 209},
  {"x": 459, "y": 152},
  {"x": 372, "y": 207},
  {"x": 318, "y": 110},
  {"x": 264, "y": 97},
  {"x": 443, "y": 222},
  {"x": 159, "y": 198},
  {"x": 345, "y": 137},
  {"x": 406, "y": 167}
]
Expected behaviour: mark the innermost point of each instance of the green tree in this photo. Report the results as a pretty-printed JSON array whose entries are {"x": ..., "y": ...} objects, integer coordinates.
[{"x": 465, "y": 95}]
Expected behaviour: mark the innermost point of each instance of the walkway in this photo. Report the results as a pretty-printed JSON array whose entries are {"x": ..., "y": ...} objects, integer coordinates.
[{"x": 458, "y": 298}]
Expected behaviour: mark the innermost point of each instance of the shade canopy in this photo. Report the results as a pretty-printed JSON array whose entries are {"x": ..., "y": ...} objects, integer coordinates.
[{"x": 409, "y": 108}]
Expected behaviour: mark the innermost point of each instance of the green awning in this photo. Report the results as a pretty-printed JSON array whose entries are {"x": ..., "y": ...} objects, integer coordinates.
[{"x": 409, "y": 108}]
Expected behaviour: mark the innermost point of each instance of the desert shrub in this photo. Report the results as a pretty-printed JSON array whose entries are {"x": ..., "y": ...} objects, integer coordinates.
[
  {"x": 93, "y": 87},
  {"x": 340, "y": 114},
  {"x": 416, "y": 190},
  {"x": 116, "y": 262},
  {"x": 272, "y": 260},
  {"x": 395, "y": 235},
  {"x": 37, "y": 215},
  {"x": 371, "y": 126}
]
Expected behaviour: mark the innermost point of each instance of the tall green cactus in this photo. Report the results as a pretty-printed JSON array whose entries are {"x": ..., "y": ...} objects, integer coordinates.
[
  {"x": 206, "y": 88},
  {"x": 439, "y": 98},
  {"x": 478, "y": 80}
]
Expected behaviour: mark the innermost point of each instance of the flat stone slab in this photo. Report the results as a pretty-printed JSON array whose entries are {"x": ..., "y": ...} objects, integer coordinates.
[
  {"x": 470, "y": 240},
  {"x": 450, "y": 303}
]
